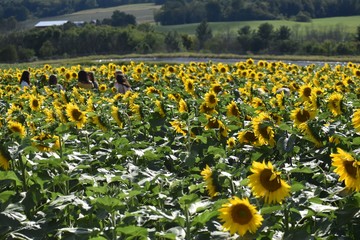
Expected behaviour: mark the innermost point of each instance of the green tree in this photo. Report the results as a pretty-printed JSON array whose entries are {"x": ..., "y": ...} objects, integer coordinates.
[
  {"x": 47, "y": 49},
  {"x": 187, "y": 41},
  {"x": 244, "y": 38},
  {"x": 8, "y": 54},
  {"x": 203, "y": 33},
  {"x": 357, "y": 37},
  {"x": 283, "y": 33},
  {"x": 172, "y": 42},
  {"x": 122, "y": 19}
]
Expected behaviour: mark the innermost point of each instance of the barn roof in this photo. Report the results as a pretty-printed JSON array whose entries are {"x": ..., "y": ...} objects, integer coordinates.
[{"x": 51, "y": 23}]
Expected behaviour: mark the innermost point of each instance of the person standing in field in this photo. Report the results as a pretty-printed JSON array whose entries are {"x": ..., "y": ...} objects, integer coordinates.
[
  {"x": 83, "y": 80},
  {"x": 25, "y": 79},
  {"x": 92, "y": 79},
  {"x": 53, "y": 82},
  {"x": 122, "y": 85}
]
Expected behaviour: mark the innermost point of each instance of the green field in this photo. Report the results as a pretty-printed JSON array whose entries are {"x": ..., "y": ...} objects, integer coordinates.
[{"x": 344, "y": 24}]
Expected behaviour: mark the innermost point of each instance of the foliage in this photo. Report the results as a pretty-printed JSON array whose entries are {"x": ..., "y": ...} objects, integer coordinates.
[{"x": 133, "y": 170}]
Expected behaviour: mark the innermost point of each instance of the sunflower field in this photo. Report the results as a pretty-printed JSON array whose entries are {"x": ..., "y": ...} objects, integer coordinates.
[{"x": 203, "y": 150}]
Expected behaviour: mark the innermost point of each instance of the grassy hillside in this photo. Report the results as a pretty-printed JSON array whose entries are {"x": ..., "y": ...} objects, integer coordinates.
[
  {"x": 143, "y": 12},
  {"x": 344, "y": 24}
]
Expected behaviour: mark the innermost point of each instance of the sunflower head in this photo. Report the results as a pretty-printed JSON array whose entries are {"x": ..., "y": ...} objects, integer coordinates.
[
  {"x": 209, "y": 177},
  {"x": 239, "y": 216},
  {"x": 232, "y": 110},
  {"x": 356, "y": 120},
  {"x": 189, "y": 86},
  {"x": 4, "y": 158},
  {"x": 334, "y": 103},
  {"x": 35, "y": 103},
  {"x": 348, "y": 169},
  {"x": 102, "y": 88},
  {"x": 17, "y": 128},
  {"x": 75, "y": 115},
  {"x": 266, "y": 182},
  {"x": 211, "y": 99}
]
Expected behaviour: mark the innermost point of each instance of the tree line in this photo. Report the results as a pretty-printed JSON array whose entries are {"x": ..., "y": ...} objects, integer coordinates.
[{"x": 70, "y": 40}]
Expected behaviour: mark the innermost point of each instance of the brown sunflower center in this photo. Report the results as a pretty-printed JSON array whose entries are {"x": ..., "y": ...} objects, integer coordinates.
[
  {"x": 250, "y": 136},
  {"x": 303, "y": 116},
  {"x": 264, "y": 132},
  {"x": 76, "y": 114},
  {"x": 267, "y": 183},
  {"x": 334, "y": 104},
  {"x": 212, "y": 99},
  {"x": 307, "y": 92},
  {"x": 241, "y": 214},
  {"x": 234, "y": 111},
  {"x": 350, "y": 169},
  {"x": 15, "y": 129},
  {"x": 213, "y": 123},
  {"x": 35, "y": 103},
  {"x": 217, "y": 89}
]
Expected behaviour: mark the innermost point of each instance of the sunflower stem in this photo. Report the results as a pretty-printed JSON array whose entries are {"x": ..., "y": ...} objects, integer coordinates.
[
  {"x": 286, "y": 218},
  {"x": 187, "y": 219},
  {"x": 232, "y": 186},
  {"x": 23, "y": 172},
  {"x": 61, "y": 147}
]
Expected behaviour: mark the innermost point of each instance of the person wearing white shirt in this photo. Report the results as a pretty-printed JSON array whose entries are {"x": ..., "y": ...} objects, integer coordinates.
[{"x": 25, "y": 79}]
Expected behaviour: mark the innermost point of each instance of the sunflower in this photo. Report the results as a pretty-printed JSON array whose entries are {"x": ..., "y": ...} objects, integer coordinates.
[
  {"x": 334, "y": 103},
  {"x": 16, "y": 127},
  {"x": 211, "y": 99},
  {"x": 152, "y": 90},
  {"x": 247, "y": 136},
  {"x": 205, "y": 109},
  {"x": 159, "y": 108},
  {"x": 232, "y": 109},
  {"x": 136, "y": 110},
  {"x": 250, "y": 61},
  {"x": 35, "y": 103},
  {"x": 305, "y": 92},
  {"x": 189, "y": 86},
  {"x": 348, "y": 168},
  {"x": 102, "y": 88},
  {"x": 75, "y": 115},
  {"x": 207, "y": 174},
  {"x": 266, "y": 182},
  {"x": 310, "y": 136},
  {"x": 301, "y": 115},
  {"x": 179, "y": 127},
  {"x": 116, "y": 116},
  {"x": 45, "y": 142},
  {"x": 216, "y": 88},
  {"x": 263, "y": 130},
  {"x": 182, "y": 106},
  {"x": 99, "y": 123},
  {"x": 257, "y": 102},
  {"x": 231, "y": 142},
  {"x": 4, "y": 159},
  {"x": 356, "y": 120},
  {"x": 240, "y": 217}
]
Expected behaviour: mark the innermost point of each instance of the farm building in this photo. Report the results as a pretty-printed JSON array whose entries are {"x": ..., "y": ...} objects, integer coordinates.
[{"x": 43, "y": 24}]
